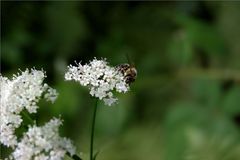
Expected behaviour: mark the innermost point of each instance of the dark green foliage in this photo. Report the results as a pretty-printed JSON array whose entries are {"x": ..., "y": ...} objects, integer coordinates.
[{"x": 185, "y": 103}]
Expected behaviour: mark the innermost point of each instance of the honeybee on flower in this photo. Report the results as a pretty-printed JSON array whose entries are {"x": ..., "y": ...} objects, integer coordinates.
[
  {"x": 129, "y": 72},
  {"x": 102, "y": 79}
]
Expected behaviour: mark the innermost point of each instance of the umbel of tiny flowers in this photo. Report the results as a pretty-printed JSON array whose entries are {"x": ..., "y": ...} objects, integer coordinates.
[
  {"x": 100, "y": 78},
  {"x": 43, "y": 143},
  {"x": 21, "y": 92}
]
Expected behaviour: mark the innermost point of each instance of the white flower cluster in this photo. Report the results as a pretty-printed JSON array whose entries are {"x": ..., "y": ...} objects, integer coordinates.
[
  {"x": 22, "y": 92},
  {"x": 100, "y": 78},
  {"x": 43, "y": 143}
]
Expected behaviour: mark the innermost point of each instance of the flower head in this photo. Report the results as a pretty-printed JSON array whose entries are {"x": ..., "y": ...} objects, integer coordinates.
[
  {"x": 23, "y": 91},
  {"x": 100, "y": 78},
  {"x": 43, "y": 143}
]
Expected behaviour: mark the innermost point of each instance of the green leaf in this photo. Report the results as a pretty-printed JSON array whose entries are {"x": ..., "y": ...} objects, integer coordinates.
[
  {"x": 231, "y": 101},
  {"x": 95, "y": 155}
]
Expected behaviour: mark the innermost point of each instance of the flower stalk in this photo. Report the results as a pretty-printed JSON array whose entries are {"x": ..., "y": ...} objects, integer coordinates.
[{"x": 93, "y": 129}]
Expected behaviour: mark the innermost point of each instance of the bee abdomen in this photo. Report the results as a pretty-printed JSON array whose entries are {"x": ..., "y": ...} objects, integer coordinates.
[{"x": 129, "y": 73}]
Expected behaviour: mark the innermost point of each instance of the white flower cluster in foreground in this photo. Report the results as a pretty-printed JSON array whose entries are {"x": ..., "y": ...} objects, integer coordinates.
[
  {"x": 43, "y": 143},
  {"x": 100, "y": 78},
  {"x": 21, "y": 92}
]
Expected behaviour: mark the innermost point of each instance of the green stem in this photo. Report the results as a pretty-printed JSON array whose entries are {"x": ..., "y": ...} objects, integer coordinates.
[
  {"x": 92, "y": 130},
  {"x": 75, "y": 157},
  {"x": 25, "y": 114}
]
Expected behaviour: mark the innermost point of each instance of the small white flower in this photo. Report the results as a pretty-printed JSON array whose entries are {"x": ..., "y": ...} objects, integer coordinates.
[
  {"x": 21, "y": 92},
  {"x": 100, "y": 78},
  {"x": 110, "y": 101},
  {"x": 43, "y": 143},
  {"x": 51, "y": 94}
]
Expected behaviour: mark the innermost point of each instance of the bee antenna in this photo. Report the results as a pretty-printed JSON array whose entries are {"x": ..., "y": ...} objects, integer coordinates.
[{"x": 129, "y": 59}]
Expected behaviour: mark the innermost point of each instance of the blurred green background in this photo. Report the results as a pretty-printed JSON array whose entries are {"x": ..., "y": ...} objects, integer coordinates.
[{"x": 185, "y": 103}]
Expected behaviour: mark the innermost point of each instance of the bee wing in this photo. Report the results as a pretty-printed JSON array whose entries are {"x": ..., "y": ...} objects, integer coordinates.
[{"x": 130, "y": 62}]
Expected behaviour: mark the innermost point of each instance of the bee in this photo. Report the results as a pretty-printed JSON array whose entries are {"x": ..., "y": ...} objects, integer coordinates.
[{"x": 129, "y": 72}]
